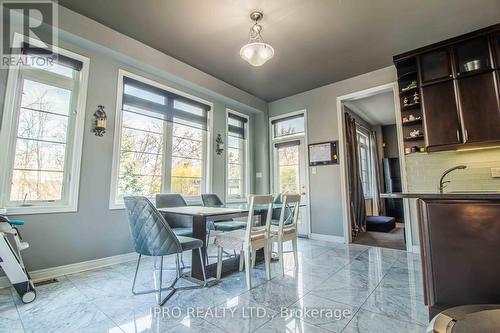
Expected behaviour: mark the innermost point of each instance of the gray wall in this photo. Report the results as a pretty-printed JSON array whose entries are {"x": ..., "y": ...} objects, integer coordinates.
[
  {"x": 95, "y": 231},
  {"x": 321, "y": 106}
]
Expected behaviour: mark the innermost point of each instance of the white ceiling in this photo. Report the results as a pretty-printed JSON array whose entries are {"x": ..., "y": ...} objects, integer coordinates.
[
  {"x": 376, "y": 110},
  {"x": 316, "y": 41}
]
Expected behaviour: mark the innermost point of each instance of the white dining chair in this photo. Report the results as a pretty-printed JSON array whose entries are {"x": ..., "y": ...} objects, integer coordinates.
[
  {"x": 247, "y": 241},
  {"x": 286, "y": 229}
]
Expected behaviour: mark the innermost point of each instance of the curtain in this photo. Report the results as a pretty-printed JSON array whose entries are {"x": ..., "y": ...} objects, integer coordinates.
[
  {"x": 356, "y": 196},
  {"x": 378, "y": 202}
]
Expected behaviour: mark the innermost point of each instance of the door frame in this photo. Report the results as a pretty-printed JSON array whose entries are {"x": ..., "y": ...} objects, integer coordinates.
[
  {"x": 342, "y": 154},
  {"x": 306, "y": 171}
]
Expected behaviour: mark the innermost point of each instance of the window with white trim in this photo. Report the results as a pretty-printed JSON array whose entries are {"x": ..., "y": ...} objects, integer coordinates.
[
  {"x": 237, "y": 156},
  {"x": 364, "y": 161},
  {"x": 42, "y": 131},
  {"x": 162, "y": 141}
]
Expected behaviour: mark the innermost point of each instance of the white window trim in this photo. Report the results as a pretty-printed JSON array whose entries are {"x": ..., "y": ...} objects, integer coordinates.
[
  {"x": 369, "y": 158},
  {"x": 115, "y": 204},
  {"x": 9, "y": 125},
  {"x": 247, "y": 159}
]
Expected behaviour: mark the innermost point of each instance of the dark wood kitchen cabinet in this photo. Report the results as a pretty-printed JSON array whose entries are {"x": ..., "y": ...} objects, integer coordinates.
[
  {"x": 441, "y": 126},
  {"x": 480, "y": 107},
  {"x": 458, "y": 86}
]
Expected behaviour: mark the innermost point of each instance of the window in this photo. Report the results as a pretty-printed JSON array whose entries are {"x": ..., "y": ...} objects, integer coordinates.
[
  {"x": 237, "y": 156},
  {"x": 288, "y": 126},
  {"x": 364, "y": 161},
  {"x": 288, "y": 155},
  {"x": 162, "y": 141},
  {"x": 42, "y": 129}
]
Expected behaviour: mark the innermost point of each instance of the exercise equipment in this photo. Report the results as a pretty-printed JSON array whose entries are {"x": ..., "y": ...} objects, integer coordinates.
[{"x": 11, "y": 260}]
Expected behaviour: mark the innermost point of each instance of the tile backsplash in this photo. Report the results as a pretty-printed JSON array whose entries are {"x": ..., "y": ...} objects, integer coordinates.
[{"x": 424, "y": 170}]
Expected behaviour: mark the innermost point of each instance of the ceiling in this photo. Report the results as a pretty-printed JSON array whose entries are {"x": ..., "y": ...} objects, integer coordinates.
[
  {"x": 378, "y": 109},
  {"x": 316, "y": 42}
]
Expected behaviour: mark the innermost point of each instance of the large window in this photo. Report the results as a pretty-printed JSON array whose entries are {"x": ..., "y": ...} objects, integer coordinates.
[
  {"x": 364, "y": 161},
  {"x": 237, "y": 156},
  {"x": 293, "y": 125},
  {"x": 41, "y": 136},
  {"x": 162, "y": 141}
]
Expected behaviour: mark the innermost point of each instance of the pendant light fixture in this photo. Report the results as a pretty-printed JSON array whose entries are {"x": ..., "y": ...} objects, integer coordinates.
[{"x": 256, "y": 52}]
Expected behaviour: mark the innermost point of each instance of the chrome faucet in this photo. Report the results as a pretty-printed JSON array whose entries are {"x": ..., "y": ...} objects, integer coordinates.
[{"x": 442, "y": 182}]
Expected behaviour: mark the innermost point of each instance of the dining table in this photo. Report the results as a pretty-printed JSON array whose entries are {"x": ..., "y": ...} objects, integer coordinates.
[{"x": 202, "y": 215}]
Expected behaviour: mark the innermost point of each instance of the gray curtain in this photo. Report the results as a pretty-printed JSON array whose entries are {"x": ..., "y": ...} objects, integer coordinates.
[
  {"x": 356, "y": 196},
  {"x": 376, "y": 173}
]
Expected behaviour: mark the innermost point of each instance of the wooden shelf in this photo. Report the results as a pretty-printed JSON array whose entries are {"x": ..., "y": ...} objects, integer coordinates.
[
  {"x": 408, "y": 90},
  {"x": 410, "y": 106},
  {"x": 412, "y": 122},
  {"x": 405, "y": 75},
  {"x": 416, "y": 138}
]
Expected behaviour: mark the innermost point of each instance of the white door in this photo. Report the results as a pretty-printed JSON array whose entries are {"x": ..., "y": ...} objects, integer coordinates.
[{"x": 289, "y": 173}]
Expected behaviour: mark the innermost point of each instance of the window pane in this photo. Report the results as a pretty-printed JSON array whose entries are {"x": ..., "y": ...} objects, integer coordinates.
[
  {"x": 36, "y": 185},
  {"x": 289, "y": 179},
  {"x": 186, "y": 186},
  {"x": 144, "y": 94},
  {"x": 132, "y": 184},
  {"x": 289, "y": 155},
  {"x": 234, "y": 142},
  {"x": 43, "y": 97},
  {"x": 136, "y": 140},
  {"x": 289, "y": 127},
  {"x": 39, "y": 155},
  {"x": 187, "y": 148},
  {"x": 188, "y": 108},
  {"x": 144, "y": 123},
  {"x": 234, "y": 156},
  {"x": 184, "y": 167},
  {"x": 188, "y": 132},
  {"x": 42, "y": 126},
  {"x": 49, "y": 66},
  {"x": 234, "y": 187},
  {"x": 234, "y": 171},
  {"x": 140, "y": 164}
]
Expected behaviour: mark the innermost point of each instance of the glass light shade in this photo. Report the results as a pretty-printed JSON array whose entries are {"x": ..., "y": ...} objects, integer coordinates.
[{"x": 257, "y": 53}]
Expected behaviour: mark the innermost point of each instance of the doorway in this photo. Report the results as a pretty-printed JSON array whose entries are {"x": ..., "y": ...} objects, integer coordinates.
[
  {"x": 289, "y": 162},
  {"x": 373, "y": 169}
]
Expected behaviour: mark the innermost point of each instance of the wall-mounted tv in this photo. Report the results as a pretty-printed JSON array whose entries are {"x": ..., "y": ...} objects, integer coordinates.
[{"x": 323, "y": 153}]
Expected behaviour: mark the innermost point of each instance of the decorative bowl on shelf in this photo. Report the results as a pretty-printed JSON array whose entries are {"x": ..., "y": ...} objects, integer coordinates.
[{"x": 473, "y": 65}]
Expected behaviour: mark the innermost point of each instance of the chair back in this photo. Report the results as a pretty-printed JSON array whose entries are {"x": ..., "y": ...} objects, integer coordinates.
[
  {"x": 289, "y": 212},
  {"x": 166, "y": 200},
  {"x": 211, "y": 200},
  {"x": 151, "y": 234},
  {"x": 255, "y": 232}
]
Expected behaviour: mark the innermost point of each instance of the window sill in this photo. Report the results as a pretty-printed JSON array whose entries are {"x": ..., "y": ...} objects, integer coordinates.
[{"x": 40, "y": 210}]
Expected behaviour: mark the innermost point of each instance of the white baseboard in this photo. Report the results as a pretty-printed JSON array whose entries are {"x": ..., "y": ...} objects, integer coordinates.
[
  {"x": 328, "y": 238},
  {"x": 53, "y": 272}
]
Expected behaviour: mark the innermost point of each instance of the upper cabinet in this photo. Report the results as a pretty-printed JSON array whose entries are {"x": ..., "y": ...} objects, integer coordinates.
[
  {"x": 456, "y": 92},
  {"x": 435, "y": 66},
  {"x": 473, "y": 56}
]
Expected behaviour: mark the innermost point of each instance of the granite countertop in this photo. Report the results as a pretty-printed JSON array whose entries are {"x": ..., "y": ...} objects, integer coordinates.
[{"x": 471, "y": 195}]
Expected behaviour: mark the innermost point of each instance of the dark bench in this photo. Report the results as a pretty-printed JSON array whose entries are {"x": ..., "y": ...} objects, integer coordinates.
[{"x": 380, "y": 223}]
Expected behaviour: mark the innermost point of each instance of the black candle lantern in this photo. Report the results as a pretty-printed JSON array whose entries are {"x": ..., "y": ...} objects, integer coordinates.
[
  {"x": 219, "y": 149},
  {"x": 99, "y": 121}
]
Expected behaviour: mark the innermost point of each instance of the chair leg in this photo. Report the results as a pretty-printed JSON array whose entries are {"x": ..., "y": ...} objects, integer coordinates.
[
  {"x": 254, "y": 255},
  {"x": 267, "y": 259},
  {"x": 135, "y": 275},
  {"x": 242, "y": 256},
  {"x": 248, "y": 268},
  {"x": 161, "y": 281},
  {"x": 295, "y": 255},
  {"x": 280, "y": 255},
  {"x": 203, "y": 267},
  {"x": 219, "y": 263}
]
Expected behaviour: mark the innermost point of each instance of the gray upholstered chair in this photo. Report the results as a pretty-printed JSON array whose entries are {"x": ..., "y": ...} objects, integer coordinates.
[
  {"x": 181, "y": 225},
  {"x": 213, "y": 200},
  {"x": 152, "y": 236}
]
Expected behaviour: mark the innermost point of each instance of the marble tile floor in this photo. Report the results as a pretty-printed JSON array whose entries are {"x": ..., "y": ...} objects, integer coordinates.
[{"x": 335, "y": 288}]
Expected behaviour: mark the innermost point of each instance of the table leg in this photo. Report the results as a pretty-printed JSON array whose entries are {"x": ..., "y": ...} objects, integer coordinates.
[{"x": 199, "y": 232}]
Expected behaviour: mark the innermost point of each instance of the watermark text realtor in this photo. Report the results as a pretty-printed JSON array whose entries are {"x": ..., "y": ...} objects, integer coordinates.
[{"x": 29, "y": 33}]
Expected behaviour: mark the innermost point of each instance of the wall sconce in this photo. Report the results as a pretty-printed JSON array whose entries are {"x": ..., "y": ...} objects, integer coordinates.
[
  {"x": 99, "y": 121},
  {"x": 219, "y": 147}
]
